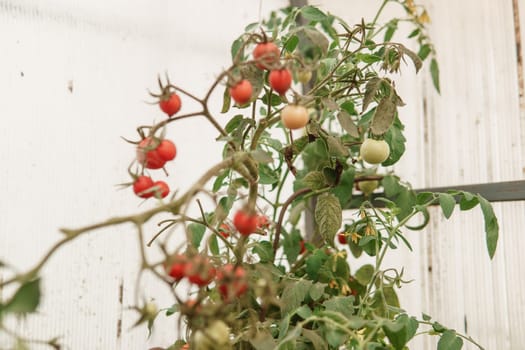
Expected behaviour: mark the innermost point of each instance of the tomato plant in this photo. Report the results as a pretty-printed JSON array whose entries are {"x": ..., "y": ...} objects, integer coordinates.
[{"x": 283, "y": 281}]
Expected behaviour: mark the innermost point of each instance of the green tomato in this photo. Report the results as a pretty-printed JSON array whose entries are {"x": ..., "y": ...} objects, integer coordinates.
[{"x": 374, "y": 151}]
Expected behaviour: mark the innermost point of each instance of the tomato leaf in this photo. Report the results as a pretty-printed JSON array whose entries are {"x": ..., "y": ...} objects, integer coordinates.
[
  {"x": 348, "y": 124},
  {"x": 434, "y": 72},
  {"x": 447, "y": 203},
  {"x": 396, "y": 140},
  {"x": 384, "y": 116},
  {"x": 196, "y": 233},
  {"x": 312, "y": 13},
  {"x": 416, "y": 60},
  {"x": 449, "y": 341},
  {"x": 264, "y": 250},
  {"x": 328, "y": 216},
  {"x": 314, "y": 180},
  {"x": 491, "y": 225},
  {"x": 371, "y": 89},
  {"x": 364, "y": 274},
  {"x": 26, "y": 299}
]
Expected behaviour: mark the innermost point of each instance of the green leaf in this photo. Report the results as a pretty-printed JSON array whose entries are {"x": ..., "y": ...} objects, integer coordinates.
[
  {"x": 426, "y": 317},
  {"x": 313, "y": 14},
  {"x": 314, "y": 263},
  {"x": 214, "y": 245},
  {"x": 26, "y": 299},
  {"x": 317, "y": 291},
  {"x": 196, "y": 233},
  {"x": 400, "y": 331},
  {"x": 396, "y": 140},
  {"x": 261, "y": 156},
  {"x": 219, "y": 181},
  {"x": 267, "y": 176},
  {"x": 391, "y": 29},
  {"x": 343, "y": 190},
  {"x": 384, "y": 116},
  {"x": 294, "y": 294},
  {"x": 226, "y": 100},
  {"x": 364, "y": 274},
  {"x": 468, "y": 201},
  {"x": 491, "y": 225},
  {"x": 434, "y": 72},
  {"x": 449, "y": 341},
  {"x": 424, "y": 51},
  {"x": 265, "y": 251},
  {"x": 391, "y": 185},
  {"x": 312, "y": 44},
  {"x": 314, "y": 180},
  {"x": 328, "y": 216},
  {"x": 304, "y": 312},
  {"x": 348, "y": 124},
  {"x": 340, "y": 304},
  {"x": 371, "y": 89},
  {"x": 263, "y": 340},
  {"x": 317, "y": 341},
  {"x": 236, "y": 46},
  {"x": 447, "y": 203},
  {"x": 291, "y": 43},
  {"x": 233, "y": 123}
]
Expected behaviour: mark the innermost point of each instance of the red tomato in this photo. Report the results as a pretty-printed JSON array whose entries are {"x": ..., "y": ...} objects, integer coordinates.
[
  {"x": 262, "y": 221},
  {"x": 147, "y": 154},
  {"x": 178, "y": 267},
  {"x": 141, "y": 186},
  {"x": 341, "y": 237},
  {"x": 303, "y": 248},
  {"x": 266, "y": 54},
  {"x": 160, "y": 189},
  {"x": 294, "y": 116},
  {"x": 224, "y": 230},
  {"x": 280, "y": 80},
  {"x": 242, "y": 92},
  {"x": 245, "y": 223},
  {"x": 166, "y": 150},
  {"x": 170, "y": 104},
  {"x": 200, "y": 271},
  {"x": 232, "y": 281}
]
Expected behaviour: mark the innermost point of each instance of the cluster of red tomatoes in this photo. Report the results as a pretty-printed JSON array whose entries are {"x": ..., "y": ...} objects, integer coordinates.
[
  {"x": 153, "y": 152},
  {"x": 267, "y": 56},
  {"x": 231, "y": 280}
]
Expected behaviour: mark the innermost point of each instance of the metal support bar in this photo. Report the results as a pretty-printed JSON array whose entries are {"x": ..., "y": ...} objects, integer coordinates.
[{"x": 507, "y": 191}]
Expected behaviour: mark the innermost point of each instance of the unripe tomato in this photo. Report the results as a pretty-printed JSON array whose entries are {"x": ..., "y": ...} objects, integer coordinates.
[
  {"x": 147, "y": 154},
  {"x": 242, "y": 92},
  {"x": 170, "y": 104},
  {"x": 341, "y": 237},
  {"x": 245, "y": 223},
  {"x": 167, "y": 150},
  {"x": 374, "y": 151},
  {"x": 215, "y": 336},
  {"x": 141, "y": 186},
  {"x": 294, "y": 116},
  {"x": 280, "y": 80},
  {"x": 231, "y": 281},
  {"x": 178, "y": 267},
  {"x": 304, "y": 75},
  {"x": 367, "y": 187},
  {"x": 267, "y": 54},
  {"x": 160, "y": 189},
  {"x": 199, "y": 271}
]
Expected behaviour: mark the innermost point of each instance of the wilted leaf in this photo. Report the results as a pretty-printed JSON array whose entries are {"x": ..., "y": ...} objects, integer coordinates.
[
  {"x": 348, "y": 124},
  {"x": 314, "y": 180},
  {"x": 336, "y": 147},
  {"x": 384, "y": 116},
  {"x": 414, "y": 57},
  {"x": 317, "y": 341},
  {"x": 370, "y": 91},
  {"x": 328, "y": 216}
]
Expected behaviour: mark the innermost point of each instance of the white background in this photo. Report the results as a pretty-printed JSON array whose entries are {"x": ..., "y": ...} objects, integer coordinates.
[{"x": 74, "y": 77}]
